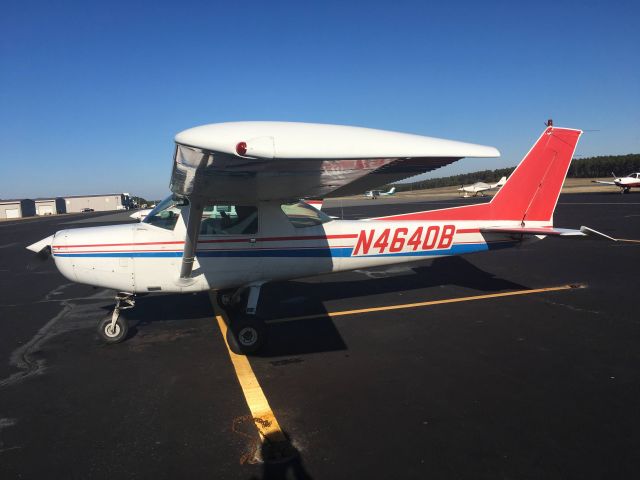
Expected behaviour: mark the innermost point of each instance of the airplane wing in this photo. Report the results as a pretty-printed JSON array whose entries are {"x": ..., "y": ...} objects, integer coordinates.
[
  {"x": 603, "y": 181},
  {"x": 247, "y": 162},
  {"x": 255, "y": 161},
  {"x": 554, "y": 232}
]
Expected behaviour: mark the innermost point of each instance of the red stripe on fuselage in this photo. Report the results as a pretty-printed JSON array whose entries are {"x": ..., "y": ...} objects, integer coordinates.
[{"x": 226, "y": 240}]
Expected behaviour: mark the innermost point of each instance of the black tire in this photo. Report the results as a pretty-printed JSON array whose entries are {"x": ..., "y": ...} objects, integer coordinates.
[
  {"x": 224, "y": 300},
  {"x": 246, "y": 335},
  {"x": 121, "y": 329}
]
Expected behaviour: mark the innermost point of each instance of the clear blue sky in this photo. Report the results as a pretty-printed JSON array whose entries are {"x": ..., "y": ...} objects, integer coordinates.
[{"x": 92, "y": 93}]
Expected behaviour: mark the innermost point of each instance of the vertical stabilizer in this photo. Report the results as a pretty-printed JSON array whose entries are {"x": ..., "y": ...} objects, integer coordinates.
[
  {"x": 532, "y": 190},
  {"x": 530, "y": 193}
]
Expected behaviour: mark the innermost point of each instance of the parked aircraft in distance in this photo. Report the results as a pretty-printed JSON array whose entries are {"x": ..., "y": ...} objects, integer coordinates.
[
  {"x": 373, "y": 194},
  {"x": 623, "y": 183},
  {"x": 140, "y": 214},
  {"x": 481, "y": 187},
  {"x": 235, "y": 221}
]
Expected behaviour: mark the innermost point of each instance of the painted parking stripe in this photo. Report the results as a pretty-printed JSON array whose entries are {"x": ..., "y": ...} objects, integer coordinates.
[
  {"x": 429, "y": 303},
  {"x": 263, "y": 417}
]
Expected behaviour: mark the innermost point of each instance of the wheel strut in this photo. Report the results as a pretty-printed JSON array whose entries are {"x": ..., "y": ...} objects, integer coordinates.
[
  {"x": 114, "y": 328},
  {"x": 124, "y": 301}
]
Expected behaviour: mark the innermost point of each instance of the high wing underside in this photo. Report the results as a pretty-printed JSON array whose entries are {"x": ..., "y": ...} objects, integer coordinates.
[{"x": 255, "y": 161}]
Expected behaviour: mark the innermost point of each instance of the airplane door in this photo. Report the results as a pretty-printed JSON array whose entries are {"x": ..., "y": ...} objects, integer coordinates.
[
  {"x": 157, "y": 258},
  {"x": 229, "y": 247}
]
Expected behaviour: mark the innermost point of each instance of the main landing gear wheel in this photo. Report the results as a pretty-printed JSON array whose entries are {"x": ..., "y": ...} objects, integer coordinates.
[
  {"x": 113, "y": 332},
  {"x": 246, "y": 335}
]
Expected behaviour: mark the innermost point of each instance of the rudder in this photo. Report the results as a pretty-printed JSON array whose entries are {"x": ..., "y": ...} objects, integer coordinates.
[
  {"x": 532, "y": 190},
  {"x": 530, "y": 193}
]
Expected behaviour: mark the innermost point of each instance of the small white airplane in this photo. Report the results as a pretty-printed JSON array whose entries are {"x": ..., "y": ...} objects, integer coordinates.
[
  {"x": 373, "y": 194},
  {"x": 481, "y": 187},
  {"x": 140, "y": 214},
  {"x": 235, "y": 221},
  {"x": 624, "y": 183}
]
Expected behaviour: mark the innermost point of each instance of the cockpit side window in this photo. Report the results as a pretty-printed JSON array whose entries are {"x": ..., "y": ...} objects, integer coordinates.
[
  {"x": 229, "y": 220},
  {"x": 302, "y": 215},
  {"x": 164, "y": 215}
]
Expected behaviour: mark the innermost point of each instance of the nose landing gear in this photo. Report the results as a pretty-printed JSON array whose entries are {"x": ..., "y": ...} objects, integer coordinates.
[{"x": 114, "y": 327}]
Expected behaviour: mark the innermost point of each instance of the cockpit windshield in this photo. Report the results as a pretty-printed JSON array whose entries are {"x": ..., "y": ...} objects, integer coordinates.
[{"x": 165, "y": 214}]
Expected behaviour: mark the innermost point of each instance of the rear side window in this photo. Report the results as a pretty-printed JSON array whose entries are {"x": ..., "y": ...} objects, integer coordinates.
[
  {"x": 229, "y": 220},
  {"x": 302, "y": 215}
]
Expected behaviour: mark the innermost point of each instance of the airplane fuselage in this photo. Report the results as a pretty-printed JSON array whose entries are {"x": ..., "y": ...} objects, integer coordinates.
[{"x": 141, "y": 258}]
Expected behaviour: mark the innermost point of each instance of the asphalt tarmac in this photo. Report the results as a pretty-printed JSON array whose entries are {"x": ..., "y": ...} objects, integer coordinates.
[{"x": 540, "y": 385}]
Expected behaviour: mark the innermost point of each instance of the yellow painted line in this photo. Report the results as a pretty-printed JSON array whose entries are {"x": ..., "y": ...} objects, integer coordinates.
[
  {"x": 429, "y": 303},
  {"x": 627, "y": 240},
  {"x": 263, "y": 416}
]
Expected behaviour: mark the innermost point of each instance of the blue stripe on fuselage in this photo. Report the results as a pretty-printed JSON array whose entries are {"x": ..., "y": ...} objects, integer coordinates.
[{"x": 341, "y": 252}]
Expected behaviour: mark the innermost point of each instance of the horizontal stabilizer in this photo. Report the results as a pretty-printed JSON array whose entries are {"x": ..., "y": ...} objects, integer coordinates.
[
  {"x": 550, "y": 231},
  {"x": 595, "y": 233}
]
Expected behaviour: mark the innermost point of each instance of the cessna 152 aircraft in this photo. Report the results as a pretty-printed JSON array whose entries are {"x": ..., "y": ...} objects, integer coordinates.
[
  {"x": 481, "y": 187},
  {"x": 624, "y": 183},
  {"x": 373, "y": 194},
  {"x": 235, "y": 220}
]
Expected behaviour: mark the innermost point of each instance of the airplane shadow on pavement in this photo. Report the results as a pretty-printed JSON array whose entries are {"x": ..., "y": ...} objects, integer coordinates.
[
  {"x": 300, "y": 298},
  {"x": 295, "y": 298}
]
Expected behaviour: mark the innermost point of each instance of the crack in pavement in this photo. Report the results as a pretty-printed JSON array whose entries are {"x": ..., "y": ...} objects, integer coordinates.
[
  {"x": 572, "y": 307},
  {"x": 76, "y": 316},
  {"x": 4, "y": 423}
]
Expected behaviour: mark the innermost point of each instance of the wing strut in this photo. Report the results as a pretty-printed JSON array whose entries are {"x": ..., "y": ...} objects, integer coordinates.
[{"x": 196, "y": 207}]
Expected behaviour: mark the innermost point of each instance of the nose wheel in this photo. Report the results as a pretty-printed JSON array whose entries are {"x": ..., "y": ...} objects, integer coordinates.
[
  {"x": 113, "y": 332},
  {"x": 115, "y": 327}
]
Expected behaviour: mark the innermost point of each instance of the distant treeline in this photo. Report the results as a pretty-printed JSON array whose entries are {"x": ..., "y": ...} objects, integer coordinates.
[{"x": 591, "y": 167}]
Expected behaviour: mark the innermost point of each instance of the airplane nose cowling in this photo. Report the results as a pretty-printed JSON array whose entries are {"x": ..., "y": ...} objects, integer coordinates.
[
  {"x": 64, "y": 264},
  {"x": 96, "y": 256}
]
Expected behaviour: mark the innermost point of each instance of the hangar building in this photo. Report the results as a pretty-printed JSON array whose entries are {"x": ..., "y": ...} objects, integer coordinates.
[
  {"x": 17, "y": 208},
  {"x": 49, "y": 206},
  {"x": 99, "y": 203}
]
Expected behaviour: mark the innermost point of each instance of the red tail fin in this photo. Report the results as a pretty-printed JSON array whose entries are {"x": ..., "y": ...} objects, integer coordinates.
[{"x": 532, "y": 190}]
